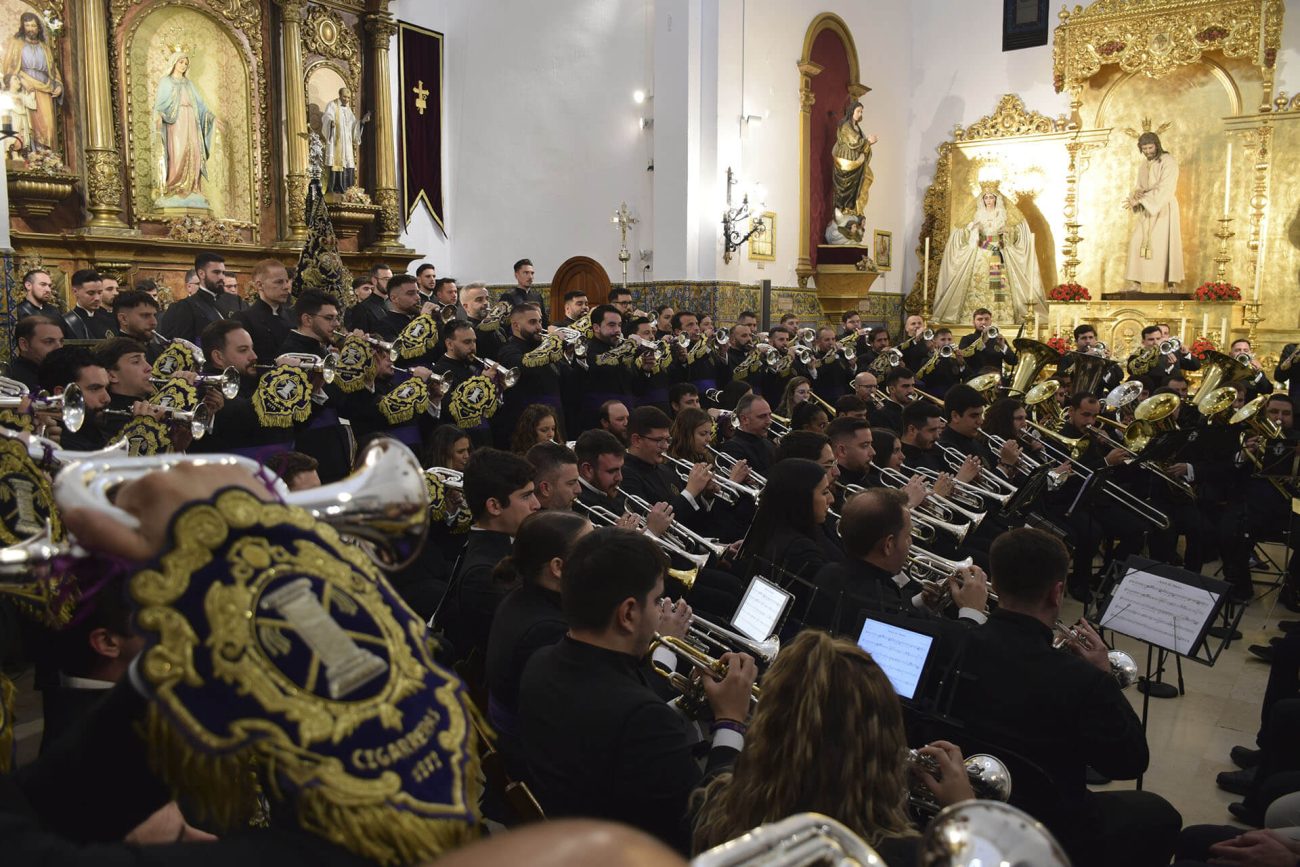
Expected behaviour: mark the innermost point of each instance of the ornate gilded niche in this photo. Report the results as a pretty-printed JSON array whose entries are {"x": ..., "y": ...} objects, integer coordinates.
[{"x": 195, "y": 128}]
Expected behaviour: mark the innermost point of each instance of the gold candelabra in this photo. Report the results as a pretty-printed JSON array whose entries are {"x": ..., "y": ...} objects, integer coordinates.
[
  {"x": 1223, "y": 258},
  {"x": 1252, "y": 318}
]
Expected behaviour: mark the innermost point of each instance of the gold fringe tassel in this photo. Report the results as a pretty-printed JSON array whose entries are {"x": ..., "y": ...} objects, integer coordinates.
[{"x": 220, "y": 787}]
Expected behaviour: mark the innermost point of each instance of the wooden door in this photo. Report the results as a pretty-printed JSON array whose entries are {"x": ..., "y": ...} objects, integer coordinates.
[{"x": 581, "y": 273}]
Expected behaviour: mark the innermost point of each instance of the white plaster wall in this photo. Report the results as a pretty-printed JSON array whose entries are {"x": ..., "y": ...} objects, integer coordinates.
[{"x": 541, "y": 134}]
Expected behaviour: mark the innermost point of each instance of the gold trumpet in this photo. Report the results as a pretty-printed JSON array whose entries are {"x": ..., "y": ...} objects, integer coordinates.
[{"x": 693, "y": 700}]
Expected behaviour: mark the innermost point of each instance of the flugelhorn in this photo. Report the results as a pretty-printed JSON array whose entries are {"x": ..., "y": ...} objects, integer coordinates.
[
  {"x": 70, "y": 404},
  {"x": 988, "y": 776}
]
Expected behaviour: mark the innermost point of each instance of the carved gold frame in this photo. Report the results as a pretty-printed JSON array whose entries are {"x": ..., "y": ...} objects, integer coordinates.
[{"x": 807, "y": 72}]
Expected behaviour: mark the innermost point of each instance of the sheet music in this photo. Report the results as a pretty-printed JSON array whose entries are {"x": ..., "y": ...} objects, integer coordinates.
[
  {"x": 760, "y": 610},
  {"x": 901, "y": 653},
  {"x": 1160, "y": 611}
]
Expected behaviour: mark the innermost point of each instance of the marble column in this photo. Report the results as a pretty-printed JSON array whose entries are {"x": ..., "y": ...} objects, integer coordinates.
[
  {"x": 381, "y": 28},
  {"x": 295, "y": 117},
  {"x": 104, "y": 188}
]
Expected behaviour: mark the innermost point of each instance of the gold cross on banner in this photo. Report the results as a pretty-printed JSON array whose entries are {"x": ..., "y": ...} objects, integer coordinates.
[{"x": 420, "y": 93}]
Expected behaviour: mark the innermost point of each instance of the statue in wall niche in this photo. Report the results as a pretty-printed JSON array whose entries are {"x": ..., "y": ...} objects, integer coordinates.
[
  {"x": 184, "y": 125},
  {"x": 32, "y": 78},
  {"x": 342, "y": 133},
  {"x": 851, "y": 178},
  {"x": 1155, "y": 249},
  {"x": 989, "y": 263}
]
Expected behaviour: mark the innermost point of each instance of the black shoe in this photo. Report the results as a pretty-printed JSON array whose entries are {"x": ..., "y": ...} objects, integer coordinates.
[
  {"x": 1290, "y": 599},
  {"x": 1288, "y": 625},
  {"x": 1255, "y": 563},
  {"x": 1222, "y": 631},
  {"x": 1241, "y": 597},
  {"x": 1095, "y": 778},
  {"x": 1237, "y": 782},
  {"x": 1261, "y": 651},
  {"x": 1275, "y": 641},
  {"x": 1245, "y": 757},
  {"x": 1245, "y": 815}
]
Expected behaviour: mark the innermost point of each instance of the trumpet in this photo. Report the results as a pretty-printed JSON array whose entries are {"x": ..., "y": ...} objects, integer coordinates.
[
  {"x": 1170, "y": 346},
  {"x": 890, "y": 357},
  {"x": 948, "y": 508},
  {"x": 227, "y": 382},
  {"x": 988, "y": 775},
  {"x": 200, "y": 419},
  {"x": 644, "y": 347},
  {"x": 728, "y": 491},
  {"x": 726, "y": 641},
  {"x": 726, "y": 462},
  {"x": 509, "y": 376},
  {"x": 922, "y": 563},
  {"x": 924, "y": 336},
  {"x": 683, "y": 537},
  {"x": 325, "y": 365},
  {"x": 806, "y": 337},
  {"x": 70, "y": 404},
  {"x": 603, "y": 517},
  {"x": 964, "y": 495},
  {"x": 722, "y": 337},
  {"x": 1122, "y": 666},
  {"x": 693, "y": 700},
  {"x": 33, "y": 557},
  {"x": 446, "y": 312},
  {"x": 49, "y": 456},
  {"x": 574, "y": 343},
  {"x": 992, "y": 486}
]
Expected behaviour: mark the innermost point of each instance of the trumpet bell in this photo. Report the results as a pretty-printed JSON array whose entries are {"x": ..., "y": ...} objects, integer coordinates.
[
  {"x": 986, "y": 385},
  {"x": 1088, "y": 371},
  {"x": 1252, "y": 415},
  {"x": 988, "y": 832},
  {"x": 1123, "y": 394},
  {"x": 1218, "y": 404},
  {"x": 1042, "y": 399},
  {"x": 31, "y": 558},
  {"x": 383, "y": 504},
  {"x": 1123, "y": 667},
  {"x": 685, "y": 576}
]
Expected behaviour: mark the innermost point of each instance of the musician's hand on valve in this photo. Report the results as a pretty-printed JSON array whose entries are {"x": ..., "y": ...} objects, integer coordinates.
[
  {"x": 916, "y": 492},
  {"x": 628, "y": 521},
  {"x": 970, "y": 469},
  {"x": 659, "y": 518},
  {"x": 1090, "y": 646},
  {"x": 1178, "y": 471},
  {"x": 1116, "y": 456},
  {"x": 739, "y": 471},
  {"x": 48, "y": 425},
  {"x": 953, "y": 783},
  {"x": 1009, "y": 453},
  {"x": 970, "y": 588},
  {"x": 214, "y": 400},
  {"x": 141, "y": 407},
  {"x": 729, "y": 697},
  {"x": 187, "y": 375},
  {"x": 674, "y": 617},
  {"x": 943, "y": 485},
  {"x": 699, "y": 479},
  {"x": 1253, "y": 444}
]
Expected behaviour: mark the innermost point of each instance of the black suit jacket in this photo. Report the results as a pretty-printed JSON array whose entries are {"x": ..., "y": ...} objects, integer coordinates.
[
  {"x": 366, "y": 314},
  {"x": 519, "y": 296},
  {"x": 600, "y": 742},
  {"x": 80, "y": 324},
  {"x": 759, "y": 451},
  {"x": 25, "y": 371},
  {"x": 188, "y": 317},
  {"x": 26, "y": 308},
  {"x": 988, "y": 356},
  {"x": 473, "y": 597},
  {"x": 888, "y": 415},
  {"x": 267, "y": 327}
]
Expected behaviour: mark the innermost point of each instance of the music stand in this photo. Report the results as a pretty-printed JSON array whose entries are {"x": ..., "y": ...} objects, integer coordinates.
[{"x": 1169, "y": 610}]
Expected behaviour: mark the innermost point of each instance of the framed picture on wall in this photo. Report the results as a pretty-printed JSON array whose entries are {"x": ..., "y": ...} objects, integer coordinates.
[
  {"x": 762, "y": 245},
  {"x": 884, "y": 250}
]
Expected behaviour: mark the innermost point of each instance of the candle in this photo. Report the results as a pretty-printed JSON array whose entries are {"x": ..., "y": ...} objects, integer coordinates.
[
  {"x": 1205, "y": 324},
  {"x": 1227, "y": 180},
  {"x": 1182, "y": 328},
  {"x": 1223, "y": 331},
  {"x": 925, "y": 281},
  {"x": 1259, "y": 260}
]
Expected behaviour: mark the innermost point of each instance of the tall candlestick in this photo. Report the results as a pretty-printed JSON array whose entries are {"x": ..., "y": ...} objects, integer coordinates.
[
  {"x": 1223, "y": 330},
  {"x": 1227, "y": 180},
  {"x": 1205, "y": 324},
  {"x": 1259, "y": 259},
  {"x": 925, "y": 281}
]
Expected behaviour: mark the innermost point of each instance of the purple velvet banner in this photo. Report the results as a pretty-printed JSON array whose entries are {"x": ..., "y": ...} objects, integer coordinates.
[{"x": 419, "y": 64}]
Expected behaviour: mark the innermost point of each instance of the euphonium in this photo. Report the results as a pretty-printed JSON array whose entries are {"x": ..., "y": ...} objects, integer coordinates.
[
  {"x": 985, "y": 833},
  {"x": 1123, "y": 394},
  {"x": 1122, "y": 666},
  {"x": 988, "y": 776},
  {"x": 1041, "y": 400},
  {"x": 795, "y": 841}
]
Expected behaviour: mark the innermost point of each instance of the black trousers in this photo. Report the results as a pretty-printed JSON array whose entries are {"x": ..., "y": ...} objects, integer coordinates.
[
  {"x": 1280, "y": 760},
  {"x": 1089, "y": 526},
  {"x": 1132, "y": 829},
  {"x": 1243, "y": 524},
  {"x": 1185, "y": 520},
  {"x": 1283, "y": 678}
]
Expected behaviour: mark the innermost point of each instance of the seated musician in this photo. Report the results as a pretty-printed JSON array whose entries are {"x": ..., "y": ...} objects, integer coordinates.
[
  {"x": 691, "y": 435},
  {"x": 900, "y": 388},
  {"x": 683, "y": 395},
  {"x": 876, "y": 526},
  {"x": 237, "y": 429},
  {"x": 1061, "y": 709},
  {"x": 75, "y": 364},
  {"x": 963, "y": 407},
  {"x": 499, "y": 492},
  {"x": 809, "y": 416},
  {"x": 750, "y": 443},
  {"x": 555, "y": 469},
  {"x": 851, "y": 442},
  {"x": 647, "y": 475},
  {"x": 1006, "y": 418},
  {"x": 528, "y": 618},
  {"x": 786, "y": 541},
  {"x": 922, "y": 425},
  {"x": 838, "y": 689},
  {"x": 598, "y": 740}
]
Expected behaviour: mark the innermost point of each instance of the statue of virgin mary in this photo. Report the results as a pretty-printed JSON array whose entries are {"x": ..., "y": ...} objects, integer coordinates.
[
  {"x": 989, "y": 262},
  {"x": 184, "y": 125}
]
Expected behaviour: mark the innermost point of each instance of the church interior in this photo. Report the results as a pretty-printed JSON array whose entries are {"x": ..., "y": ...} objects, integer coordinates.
[{"x": 1115, "y": 163}]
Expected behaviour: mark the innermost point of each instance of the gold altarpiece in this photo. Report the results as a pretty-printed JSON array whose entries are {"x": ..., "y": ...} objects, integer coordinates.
[
  {"x": 1201, "y": 74},
  {"x": 182, "y": 125}
]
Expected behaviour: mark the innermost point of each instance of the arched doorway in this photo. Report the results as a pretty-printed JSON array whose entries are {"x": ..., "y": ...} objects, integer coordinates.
[{"x": 581, "y": 273}]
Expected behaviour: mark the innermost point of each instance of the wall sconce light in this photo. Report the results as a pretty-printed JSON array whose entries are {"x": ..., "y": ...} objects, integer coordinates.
[
  {"x": 647, "y": 122},
  {"x": 732, "y": 217}
]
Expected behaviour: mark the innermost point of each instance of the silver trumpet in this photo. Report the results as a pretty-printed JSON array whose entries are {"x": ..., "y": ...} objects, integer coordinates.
[
  {"x": 806, "y": 336},
  {"x": 727, "y": 641},
  {"x": 200, "y": 419},
  {"x": 31, "y": 558},
  {"x": 685, "y": 468},
  {"x": 1122, "y": 666},
  {"x": 992, "y": 486},
  {"x": 603, "y": 517},
  {"x": 988, "y": 832},
  {"x": 227, "y": 382},
  {"x": 948, "y": 509},
  {"x": 326, "y": 365},
  {"x": 70, "y": 404},
  {"x": 509, "y": 376},
  {"x": 965, "y": 499},
  {"x": 795, "y": 841},
  {"x": 1170, "y": 346},
  {"x": 921, "y": 564},
  {"x": 679, "y": 534},
  {"x": 988, "y": 776},
  {"x": 726, "y": 462}
]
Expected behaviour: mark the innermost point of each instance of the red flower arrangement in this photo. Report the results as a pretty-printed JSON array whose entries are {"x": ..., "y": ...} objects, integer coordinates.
[
  {"x": 1058, "y": 343},
  {"x": 1069, "y": 292},
  {"x": 1218, "y": 291},
  {"x": 1200, "y": 346}
]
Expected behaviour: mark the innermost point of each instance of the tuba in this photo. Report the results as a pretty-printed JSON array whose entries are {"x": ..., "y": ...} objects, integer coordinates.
[
  {"x": 1088, "y": 370},
  {"x": 1031, "y": 357},
  {"x": 1220, "y": 370},
  {"x": 804, "y": 838},
  {"x": 1041, "y": 401}
]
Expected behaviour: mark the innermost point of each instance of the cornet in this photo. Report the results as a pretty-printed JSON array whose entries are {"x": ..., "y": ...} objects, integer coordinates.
[
  {"x": 227, "y": 382},
  {"x": 70, "y": 404},
  {"x": 1122, "y": 666},
  {"x": 200, "y": 419},
  {"x": 988, "y": 776},
  {"x": 693, "y": 699}
]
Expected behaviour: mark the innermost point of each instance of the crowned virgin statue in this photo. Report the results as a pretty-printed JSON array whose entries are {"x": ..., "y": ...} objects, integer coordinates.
[{"x": 989, "y": 262}]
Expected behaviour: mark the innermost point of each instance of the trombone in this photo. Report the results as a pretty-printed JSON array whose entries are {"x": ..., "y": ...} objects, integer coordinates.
[
  {"x": 693, "y": 700},
  {"x": 70, "y": 404}
]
